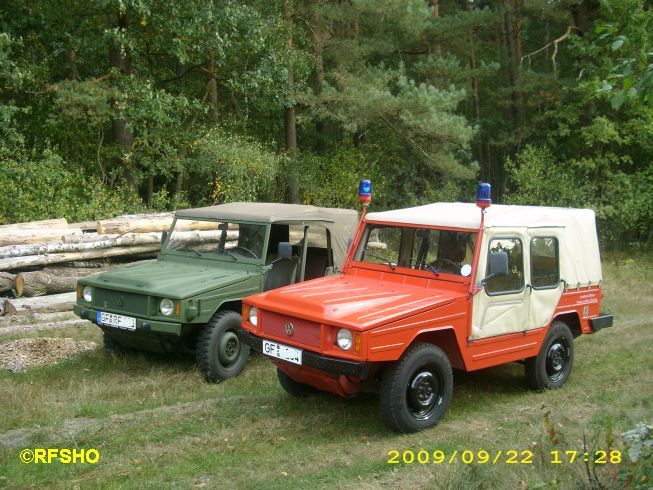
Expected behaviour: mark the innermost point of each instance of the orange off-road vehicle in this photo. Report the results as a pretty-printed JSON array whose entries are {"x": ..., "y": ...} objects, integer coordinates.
[{"x": 430, "y": 288}]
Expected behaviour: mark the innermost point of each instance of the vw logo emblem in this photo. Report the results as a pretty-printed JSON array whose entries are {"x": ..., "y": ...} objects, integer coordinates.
[{"x": 290, "y": 329}]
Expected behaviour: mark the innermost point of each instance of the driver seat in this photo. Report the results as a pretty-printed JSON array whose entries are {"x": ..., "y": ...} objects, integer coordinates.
[{"x": 283, "y": 271}]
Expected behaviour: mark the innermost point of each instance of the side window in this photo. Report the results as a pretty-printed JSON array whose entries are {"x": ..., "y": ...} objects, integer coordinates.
[
  {"x": 545, "y": 266},
  {"x": 296, "y": 234},
  {"x": 514, "y": 281}
]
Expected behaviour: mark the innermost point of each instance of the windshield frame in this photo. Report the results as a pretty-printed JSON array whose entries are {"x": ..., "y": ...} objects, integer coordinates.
[
  {"x": 398, "y": 269},
  {"x": 214, "y": 256}
]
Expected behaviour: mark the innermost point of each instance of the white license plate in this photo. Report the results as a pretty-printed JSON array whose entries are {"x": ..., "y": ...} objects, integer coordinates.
[
  {"x": 283, "y": 352},
  {"x": 118, "y": 321}
]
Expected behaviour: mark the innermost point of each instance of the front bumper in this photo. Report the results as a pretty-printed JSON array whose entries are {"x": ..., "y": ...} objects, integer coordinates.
[
  {"x": 142, "y": 325},
  {"x": 313, "y": 359}
]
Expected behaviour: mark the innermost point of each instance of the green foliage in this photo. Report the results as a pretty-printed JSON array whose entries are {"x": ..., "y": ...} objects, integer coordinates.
[
  {"x": 625, "y": 38},
  {"x": 41, "y": 185},
  {"x": 535, "y": 177},
  {"x": 237, "y": 168},
  {"x": 183, "y": 104}
]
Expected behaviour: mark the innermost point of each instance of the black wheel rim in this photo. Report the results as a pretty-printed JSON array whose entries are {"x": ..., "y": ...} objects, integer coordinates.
[
  {"x": 557, "y": 359},
  {"x": 424, "y": 394},
  {"x": 228, "y": 348}
]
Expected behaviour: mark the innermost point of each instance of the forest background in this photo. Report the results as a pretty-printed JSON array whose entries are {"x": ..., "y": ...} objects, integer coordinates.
[{"x": 118, "y": 106}]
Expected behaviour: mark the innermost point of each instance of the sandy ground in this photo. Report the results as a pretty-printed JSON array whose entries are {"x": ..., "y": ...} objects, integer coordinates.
[{"x": 22, "y": 354}]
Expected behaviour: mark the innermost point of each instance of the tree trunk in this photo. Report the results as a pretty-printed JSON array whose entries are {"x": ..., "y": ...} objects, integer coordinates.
[
  {"x": 318, "y": 47},
  {"x": 212, "y": 85},
  {"x": 150, "y": 191},
  {"x": 475, "y": 93},
  {"x": 517, "y": 33},
  {"x": 7, "y": 282},
  {"x": 121, "y": 133},
  {"x": 290, "y": 120},
  {"x": 436, "y": 14},
  {"x": 71, "y": 64},
  {"x": 584, "y": 13}
]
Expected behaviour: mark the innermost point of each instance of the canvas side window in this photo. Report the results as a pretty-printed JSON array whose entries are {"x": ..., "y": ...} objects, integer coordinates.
[
  {"x": 513, "y": 282},
  {"x": 296, "y": 234},
  {"x": 545, "y": 265}
]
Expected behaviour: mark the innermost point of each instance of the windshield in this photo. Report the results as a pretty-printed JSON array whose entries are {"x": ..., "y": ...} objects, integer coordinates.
[
  {"x": 217, "y": 238},
  {"x": 439, "y": 251}
]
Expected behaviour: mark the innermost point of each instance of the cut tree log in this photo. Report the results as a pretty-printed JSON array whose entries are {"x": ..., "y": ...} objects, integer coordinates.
[
  {"x": 7, "y": 282},
  {"x": 144, "y": 223},
  {"x": 21, "y": 236},
  {"x": 138, "y": 223},
  {"x": 58, "y": 258},
  {"x": 60, "y": 246},
  {"x": 53, "y": 302},
  {"x": 84, "y": 225},
  {"x": 77, "y": 243},
  {"x": 46, "y": 223},
  {"x": 53, "y": 280},
  {"x": 41, "y": 283}
]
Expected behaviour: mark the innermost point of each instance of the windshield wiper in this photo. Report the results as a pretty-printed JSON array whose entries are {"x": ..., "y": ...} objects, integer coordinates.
[
  {"x": 392, "y": 265},
  {"x": 433, "y": 269},
  {"x": 189, "y": 250},
  {"x": 224, "y": 251}
]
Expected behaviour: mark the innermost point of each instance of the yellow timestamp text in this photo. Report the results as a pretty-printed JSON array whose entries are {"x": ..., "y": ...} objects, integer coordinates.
[{"x": 511, "y": 456}]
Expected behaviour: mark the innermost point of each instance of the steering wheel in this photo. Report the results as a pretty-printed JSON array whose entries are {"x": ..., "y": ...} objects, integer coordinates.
[
  {"x": 249, "y": 252},
  {"x": 447, "y": 261}
]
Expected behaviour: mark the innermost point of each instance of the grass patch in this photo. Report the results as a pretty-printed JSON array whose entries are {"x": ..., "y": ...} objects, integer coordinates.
[{"x": 156, "y": 423}]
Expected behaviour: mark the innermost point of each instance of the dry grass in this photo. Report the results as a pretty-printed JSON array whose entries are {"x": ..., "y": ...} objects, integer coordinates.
[{"x": 156, "y": 423}]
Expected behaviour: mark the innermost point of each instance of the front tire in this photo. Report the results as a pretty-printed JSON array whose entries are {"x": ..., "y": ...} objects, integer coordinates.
[
  {"x": 416, "y": 390},
  {"x": 219, "y": 352},
  {"x": 293, "y": 387},
  {"x": 550, "y": 369}
]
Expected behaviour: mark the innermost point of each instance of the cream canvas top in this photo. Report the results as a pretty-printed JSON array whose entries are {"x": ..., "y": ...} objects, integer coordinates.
[{"x": 580, "y": 262}]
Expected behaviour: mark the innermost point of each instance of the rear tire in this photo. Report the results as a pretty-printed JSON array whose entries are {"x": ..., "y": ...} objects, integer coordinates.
[
  {"x": 550, "y": 369},
  {"x": 219, "y": 352},
  {"x": 294, "y": 388},
  {"x": 416, "y": 390}
]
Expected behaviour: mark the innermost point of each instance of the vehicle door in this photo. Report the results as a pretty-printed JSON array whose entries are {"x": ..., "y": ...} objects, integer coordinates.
[
  {"x": 544, "y": 271},
  {"x": 503, "y": 304}
]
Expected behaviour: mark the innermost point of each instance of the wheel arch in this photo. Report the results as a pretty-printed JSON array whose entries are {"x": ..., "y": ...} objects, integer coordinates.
[
  {"x": 233, "y": 305},
  {"x": 444, "y": 338},
  {"x": 571, "y": 319}
]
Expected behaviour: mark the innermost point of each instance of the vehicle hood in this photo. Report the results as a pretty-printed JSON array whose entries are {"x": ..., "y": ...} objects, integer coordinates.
[
  {"x": 352, "y": 302},
  {"x": 167, "y": 279}
]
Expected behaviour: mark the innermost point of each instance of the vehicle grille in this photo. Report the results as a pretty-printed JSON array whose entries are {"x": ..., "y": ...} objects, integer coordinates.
[
  {"x": 304, "y": 332},
  {"x": 107, "y": 299}
]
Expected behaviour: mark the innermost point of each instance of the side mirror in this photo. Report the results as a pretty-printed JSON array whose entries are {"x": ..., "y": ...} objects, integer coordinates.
[
  {"x": 285, "y": 250},
  {"x": 499, "y": 263},
  {"x": 164, "y": 237}
]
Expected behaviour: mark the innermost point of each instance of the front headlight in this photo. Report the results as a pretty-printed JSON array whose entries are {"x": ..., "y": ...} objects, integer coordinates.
[
  {"x": 87, "y": 293},
  {"x": 344, "y": 339},
  {"x": 253, "y": 315},
  {"x": 166, "y": 307}
]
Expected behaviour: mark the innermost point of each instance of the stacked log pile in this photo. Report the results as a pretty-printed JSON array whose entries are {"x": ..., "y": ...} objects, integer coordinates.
[{"x": 41, "y": 261}]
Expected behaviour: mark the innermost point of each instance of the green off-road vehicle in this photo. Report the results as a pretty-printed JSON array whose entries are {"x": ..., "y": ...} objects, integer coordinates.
[{"x": 189, "y": 299}]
